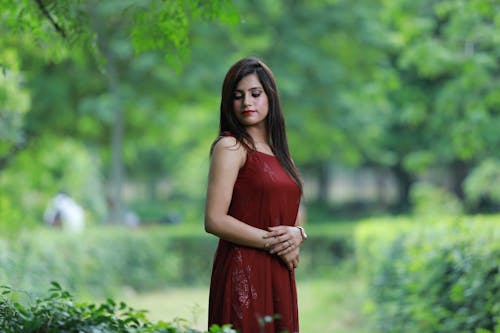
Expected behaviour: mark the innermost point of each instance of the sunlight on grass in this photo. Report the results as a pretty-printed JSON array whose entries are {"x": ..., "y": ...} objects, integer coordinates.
[
  {"x": 166, "y": 305},
  {"x": 328, "y": 304},
  {"x": 331, "y": 304}
]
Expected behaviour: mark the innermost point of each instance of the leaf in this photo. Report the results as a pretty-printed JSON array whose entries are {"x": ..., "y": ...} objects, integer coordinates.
[{"x": 55, "y": 285}]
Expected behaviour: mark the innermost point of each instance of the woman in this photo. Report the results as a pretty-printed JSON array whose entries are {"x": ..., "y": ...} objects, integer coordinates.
[{"x": 252, "y": 205}]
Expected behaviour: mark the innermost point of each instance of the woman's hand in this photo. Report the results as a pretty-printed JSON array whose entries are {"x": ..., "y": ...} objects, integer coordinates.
[
  {"x": 291, "y": 259},
  {"x": 282, "y": 239}
]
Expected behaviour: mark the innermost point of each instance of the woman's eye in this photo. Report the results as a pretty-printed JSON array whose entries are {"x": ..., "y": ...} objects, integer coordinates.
[
  {"x": 256, "y": 94},
  {"x": 237, "y": 96}
]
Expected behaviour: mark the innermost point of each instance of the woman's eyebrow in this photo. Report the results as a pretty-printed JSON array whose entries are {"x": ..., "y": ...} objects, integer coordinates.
[
  {"x": 255, "y": 88},
  {"x": 251, "y": 88}
]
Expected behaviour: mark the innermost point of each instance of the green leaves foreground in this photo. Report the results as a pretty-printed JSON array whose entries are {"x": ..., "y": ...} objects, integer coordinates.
[{"x": 58, "y": 313}]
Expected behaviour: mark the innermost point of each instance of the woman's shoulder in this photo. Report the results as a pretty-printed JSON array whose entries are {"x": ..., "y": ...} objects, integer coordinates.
[
  {"x": 227, "y": 142},
  {"x": 229, "y": 147}
]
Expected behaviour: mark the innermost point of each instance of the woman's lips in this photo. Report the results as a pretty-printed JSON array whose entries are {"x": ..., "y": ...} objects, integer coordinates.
[{"x": 247, "y": 112}]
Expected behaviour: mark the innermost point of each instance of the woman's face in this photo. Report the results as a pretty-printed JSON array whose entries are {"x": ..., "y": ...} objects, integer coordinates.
[{"x": 250, "y": 103}]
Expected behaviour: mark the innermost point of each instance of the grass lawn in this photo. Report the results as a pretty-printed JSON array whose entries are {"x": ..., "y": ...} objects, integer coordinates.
[
  {"x": 167, "y": 305},
  {"x": 328, "y": 304},
  {"x": 332, "y": 304}
]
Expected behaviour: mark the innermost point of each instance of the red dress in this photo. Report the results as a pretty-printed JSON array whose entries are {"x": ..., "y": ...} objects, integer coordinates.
[{"x": 247, "y": 283}]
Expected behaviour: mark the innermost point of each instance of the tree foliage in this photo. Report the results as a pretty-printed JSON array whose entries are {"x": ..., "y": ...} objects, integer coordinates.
[
  {"x": 408, "y": 87},
  {"x": 111, "y": 48}
]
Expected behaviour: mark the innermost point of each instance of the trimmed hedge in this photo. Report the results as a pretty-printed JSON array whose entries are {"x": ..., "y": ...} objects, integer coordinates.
[
  {"x": 102, "y": 260},
  {"x": 432, "y": 277}
]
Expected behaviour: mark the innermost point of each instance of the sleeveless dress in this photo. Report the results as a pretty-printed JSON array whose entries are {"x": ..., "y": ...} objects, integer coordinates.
[{"x": 248, "y": 284}]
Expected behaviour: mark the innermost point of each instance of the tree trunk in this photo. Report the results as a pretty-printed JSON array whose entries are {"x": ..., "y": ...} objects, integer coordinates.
[
  {"x": 323, "y": 182},
  {"x": 405, "y": 181},
  {"x": 459, "y": 171},
  {"x": 116, "y": 211},
  {"x": 152, "y": 189},
  {"x": 381, "y": 181}
]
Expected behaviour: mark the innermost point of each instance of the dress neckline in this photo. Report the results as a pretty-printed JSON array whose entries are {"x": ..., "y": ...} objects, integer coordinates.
[{"x": 266, "y": 154}]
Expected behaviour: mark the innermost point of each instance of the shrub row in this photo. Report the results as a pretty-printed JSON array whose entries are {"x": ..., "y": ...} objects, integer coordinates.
[
  {"x": 432, "y": 277},
  {"x": 101, "y": 260}
]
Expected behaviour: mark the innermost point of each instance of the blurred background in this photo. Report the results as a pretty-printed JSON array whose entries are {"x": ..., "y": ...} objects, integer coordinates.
[{"x": 108, "y": 110}]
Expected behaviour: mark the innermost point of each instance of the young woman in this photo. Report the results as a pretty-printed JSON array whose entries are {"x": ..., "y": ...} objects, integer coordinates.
[{"x": 252, "y": 205}]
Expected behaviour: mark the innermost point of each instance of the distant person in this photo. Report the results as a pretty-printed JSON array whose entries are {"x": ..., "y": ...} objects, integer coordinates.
[
  {"x": 63, "y": 212},
  {"x": 252, "y": 205},
  {"x": 131, "y": 219}
]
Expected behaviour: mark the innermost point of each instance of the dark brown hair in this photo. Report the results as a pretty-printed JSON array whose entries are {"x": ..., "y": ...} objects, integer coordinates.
[{"x": 275, "y": 121}]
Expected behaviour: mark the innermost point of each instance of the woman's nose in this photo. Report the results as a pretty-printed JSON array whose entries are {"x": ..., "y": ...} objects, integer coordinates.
[{"x": 247, "y": 101}]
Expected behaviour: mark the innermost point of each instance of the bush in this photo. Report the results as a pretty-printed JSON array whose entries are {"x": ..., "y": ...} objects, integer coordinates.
[
  {"x": 322, "y": 253},
  {"x": 101, "y": 260},
  {"x": 441, "y": 277},
  {"x": 428, "y": 199},
  {"x": 58, "y": 313},
  {"x": 482, "y": 185},
  {"x": 9, "y": 212}
]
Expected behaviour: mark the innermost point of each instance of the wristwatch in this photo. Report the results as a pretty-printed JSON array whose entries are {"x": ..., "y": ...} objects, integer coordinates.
[{"x": 302, "y": 232}]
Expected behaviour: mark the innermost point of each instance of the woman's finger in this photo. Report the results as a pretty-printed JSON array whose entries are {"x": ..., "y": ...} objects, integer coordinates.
[
  {"x": 287, "y": 247},
  {"x": 275, "y": 232},
  {"x": 273, "y": 243}
]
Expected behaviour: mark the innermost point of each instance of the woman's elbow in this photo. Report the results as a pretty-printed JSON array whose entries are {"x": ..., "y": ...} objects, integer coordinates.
[{"x": 210, "y": 225}]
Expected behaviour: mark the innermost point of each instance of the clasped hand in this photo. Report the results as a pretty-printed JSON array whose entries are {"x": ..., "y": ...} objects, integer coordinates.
[{"x": 284, "y": 241}]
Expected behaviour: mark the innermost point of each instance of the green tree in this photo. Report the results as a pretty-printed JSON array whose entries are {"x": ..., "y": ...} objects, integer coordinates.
[
  {"x": 110, "y": 36},
  {"x": 14, "y": 103},
  {"x": 322, "y": 52},
  {"x": 443, "y": 100}
]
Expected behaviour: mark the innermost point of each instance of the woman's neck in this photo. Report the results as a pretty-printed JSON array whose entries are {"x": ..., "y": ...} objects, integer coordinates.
[{"x": 258, "y": 134}]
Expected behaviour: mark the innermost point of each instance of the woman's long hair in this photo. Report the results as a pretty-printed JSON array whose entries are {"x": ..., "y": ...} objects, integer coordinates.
[{"x": 275, "y": 121}]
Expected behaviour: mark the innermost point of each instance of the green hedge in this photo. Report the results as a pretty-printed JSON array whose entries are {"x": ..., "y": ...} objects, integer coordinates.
[
  {"x": 432, "y": 277},
  {"x": 101, "y": 260}
]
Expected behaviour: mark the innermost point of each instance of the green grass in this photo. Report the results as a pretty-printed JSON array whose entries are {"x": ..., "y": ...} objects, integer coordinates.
[
  {"x": 190, "y": 303},
  {"x": 331, "y": 304}
]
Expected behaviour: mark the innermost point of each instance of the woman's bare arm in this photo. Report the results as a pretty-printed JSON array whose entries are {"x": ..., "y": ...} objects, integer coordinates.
[{"x": 227, "y": 158}]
